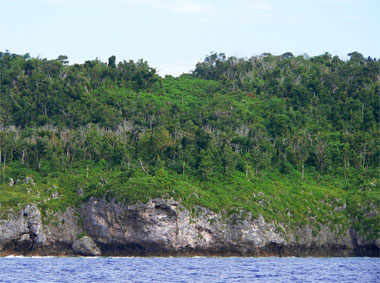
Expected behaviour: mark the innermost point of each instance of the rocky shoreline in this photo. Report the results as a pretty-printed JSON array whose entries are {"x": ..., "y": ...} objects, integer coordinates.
[{"x": 166, "y": 228}]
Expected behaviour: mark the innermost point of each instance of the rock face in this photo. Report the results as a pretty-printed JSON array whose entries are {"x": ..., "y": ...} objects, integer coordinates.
[
  {"x": 23, "y": 232},
  {"x": 86, "y": 246},
  {"x": 165, "y": 227},
  {"x": 13, "y": 227},
  {"x": 33, "y": 220}
]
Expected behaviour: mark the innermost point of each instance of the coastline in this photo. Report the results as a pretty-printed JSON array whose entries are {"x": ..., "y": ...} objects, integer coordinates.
[{"x": 164, "y": 228}]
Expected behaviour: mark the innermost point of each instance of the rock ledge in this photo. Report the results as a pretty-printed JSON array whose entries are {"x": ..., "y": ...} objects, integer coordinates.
[{"x": 86, "y": 246}]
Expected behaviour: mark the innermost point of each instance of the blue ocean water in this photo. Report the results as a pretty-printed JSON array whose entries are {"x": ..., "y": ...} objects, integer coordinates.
[{"x": 192, "y": 269}]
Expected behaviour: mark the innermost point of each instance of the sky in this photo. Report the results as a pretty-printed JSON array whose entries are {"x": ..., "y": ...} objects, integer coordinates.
[{"x": 173, "y": 35}]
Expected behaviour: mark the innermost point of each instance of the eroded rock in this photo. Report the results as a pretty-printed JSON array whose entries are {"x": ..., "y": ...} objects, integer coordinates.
[
  {"x": 33, "y": 220},
  {"x": 165, "y": 227},
  {"x": 54, "y": 195},
  {"x": 86, "y": 246}
]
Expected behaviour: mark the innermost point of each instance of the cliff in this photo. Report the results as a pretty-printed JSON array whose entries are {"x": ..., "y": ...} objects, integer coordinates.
[
  {"x": 268, "y": 155},
  {"x": 165, "y": 227}
]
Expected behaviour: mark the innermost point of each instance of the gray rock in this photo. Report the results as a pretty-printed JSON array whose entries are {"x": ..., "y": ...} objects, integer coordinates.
[
  {"x": 165, "y": 227},
  {"x": 25, "y": 241},
  {"x": 340, "y": 208},
  {"x": 170, "y": 228},
  {"x": 33, "y": 220},
  {"x": 12, "y": 227},
  {"x": 80, "y": 192},
  {"x": 23, "y": 229},
  {"x": 67, "y": 230},
  {"x": 40, "y": 239},
  {"x": 29, "y": 180},
  {"x": 86, "y": 246},
  {"x": 24, "y": 238},
  {"x": 54, "y": 195}
]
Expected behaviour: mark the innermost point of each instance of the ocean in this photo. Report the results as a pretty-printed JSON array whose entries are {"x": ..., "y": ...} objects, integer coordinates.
[{"x": 188, "y": 269}]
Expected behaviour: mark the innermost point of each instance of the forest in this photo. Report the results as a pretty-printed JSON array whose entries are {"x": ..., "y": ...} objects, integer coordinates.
[{"x": 289, "y": 137}]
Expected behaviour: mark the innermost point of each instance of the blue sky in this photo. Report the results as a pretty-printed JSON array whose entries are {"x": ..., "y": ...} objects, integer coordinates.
[{"x": 173, "y": 35}]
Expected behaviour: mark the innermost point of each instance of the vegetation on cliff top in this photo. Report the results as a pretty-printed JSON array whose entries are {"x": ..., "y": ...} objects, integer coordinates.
[{"x": 293, "y": 138}]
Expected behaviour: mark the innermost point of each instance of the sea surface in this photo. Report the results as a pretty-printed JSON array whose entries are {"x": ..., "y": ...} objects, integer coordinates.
[{"x": 191, "y": 269}]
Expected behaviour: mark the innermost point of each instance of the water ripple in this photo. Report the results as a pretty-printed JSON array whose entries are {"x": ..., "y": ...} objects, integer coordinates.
[{"x": 199, "y": 269}]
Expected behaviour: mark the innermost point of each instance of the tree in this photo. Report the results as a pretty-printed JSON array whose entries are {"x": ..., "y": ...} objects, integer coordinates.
[
  {"x": 206, "y": 164},
  {"x": 355, "y": 56},
  {"x": 112, "y": 62},
  {"x": 63, "y": 59},
  {"x": 301, "y": 144},
  {"x": 320, "y": 152}
]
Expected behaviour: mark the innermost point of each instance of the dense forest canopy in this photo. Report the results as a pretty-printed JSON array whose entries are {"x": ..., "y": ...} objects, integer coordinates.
[
  {"x": 282, "y": 111},
  {"x": 231, "y": 121}
]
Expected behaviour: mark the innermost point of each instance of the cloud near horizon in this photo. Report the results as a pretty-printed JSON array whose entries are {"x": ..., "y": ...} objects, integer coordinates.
[
  {"x": 175, "y": 6},
  {"x": 260, "y": 5}
]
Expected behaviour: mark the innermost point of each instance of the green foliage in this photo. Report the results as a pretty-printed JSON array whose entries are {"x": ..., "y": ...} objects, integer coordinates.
[
  {"x": 82, "y": 234},
  {"x": 283, "y": 136}
]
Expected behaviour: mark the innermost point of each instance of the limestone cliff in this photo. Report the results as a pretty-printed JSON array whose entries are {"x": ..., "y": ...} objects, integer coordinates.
[{"x": 165, "y": 227}]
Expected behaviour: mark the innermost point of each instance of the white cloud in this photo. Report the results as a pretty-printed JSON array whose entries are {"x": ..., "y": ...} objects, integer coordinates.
[
  {"x": 188, "y": 7},
  {"x": 340, "y": 1},
  {"x": 60, "y": 2},
  {"x": 260, "y": 5},
  {"x": 353, "y": 18},
  {"x": 70, "y": 2},
  {"x": 175, "y": 6}
]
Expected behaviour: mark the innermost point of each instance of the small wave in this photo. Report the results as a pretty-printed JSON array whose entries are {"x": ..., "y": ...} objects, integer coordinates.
[
  {"x": 22, "y": 256},
  {"x": 119, "y": 257}
]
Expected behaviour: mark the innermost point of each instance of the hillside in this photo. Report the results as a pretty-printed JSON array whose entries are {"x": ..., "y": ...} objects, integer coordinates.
[{"x": 292, "y": 139}]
